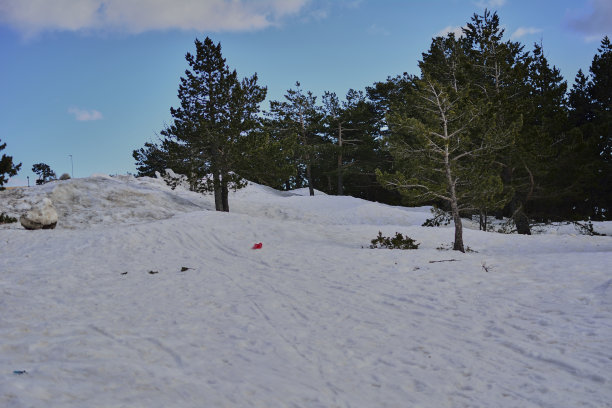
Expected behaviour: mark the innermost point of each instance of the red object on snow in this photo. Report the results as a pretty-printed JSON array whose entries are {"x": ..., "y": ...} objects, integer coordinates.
[{"x": 257, "y": 246}]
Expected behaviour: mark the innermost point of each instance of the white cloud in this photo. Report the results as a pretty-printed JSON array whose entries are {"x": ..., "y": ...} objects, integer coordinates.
[
  {"x": 458, "y": 31},
  {"x": 136, "y": 16},
  {"x": 490, "y": 4},
  {"x": 596, "y": 22},
  {"x": 523, "y": 31},
  {"x": 83, "y": 115}
]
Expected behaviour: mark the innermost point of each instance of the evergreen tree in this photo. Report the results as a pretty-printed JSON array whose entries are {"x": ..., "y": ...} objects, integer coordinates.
[
  {"x": 216, "y": 111},
  {"x": 298, "y": 118},
  {"x": 267, "y": 159},
  {"x": 381, "y": 96},
  {"x": 600, "y": 92},
  {"x": 351, "y": 125},
  {"x": 44, "y": 172},
  {"x": 7, "y": 168},
  {"x": 384, "y": 95},
  {"x": 446, "y": 61},
  {"x": 581, "y": 111},
  {"x": 336, "y": 130},
  {"x": 339, "y": 122},
  {"x": 442, "y": 155},
  {"x": 150, "y": 159},
  {"x": 590, "y": 102},
  {"x": 547, "y": 147},
  {"x": 498, "y": 72},
  {"x": 444, "y": 139}
]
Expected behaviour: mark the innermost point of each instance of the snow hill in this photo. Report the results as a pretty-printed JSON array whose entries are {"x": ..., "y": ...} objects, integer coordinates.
[{"x": 145, "y": 297}]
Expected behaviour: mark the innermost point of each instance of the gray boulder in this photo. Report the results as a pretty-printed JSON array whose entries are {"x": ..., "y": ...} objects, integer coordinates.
[{"x": 42, "y": 216}]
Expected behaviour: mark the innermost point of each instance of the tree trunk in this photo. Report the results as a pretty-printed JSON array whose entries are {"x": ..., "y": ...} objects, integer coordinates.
[
  {"x": 309, "y": 178},
  {"x": 215, "y": 168},
  {"x": 217, "y": 191},
  {"x": 307, "y": 155},
  {"x": 193, "y": 179},
  {"x": 224, "y": 196},
  {"x": 520, "y": 219},
  {"x": 340, "y": 186},
  {"x": 483, "y": 220},
  {"x": 458, "y": 244}
]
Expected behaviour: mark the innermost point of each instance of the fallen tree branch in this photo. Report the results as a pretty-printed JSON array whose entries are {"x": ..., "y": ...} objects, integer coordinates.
[{"x": 445, "y": 260}]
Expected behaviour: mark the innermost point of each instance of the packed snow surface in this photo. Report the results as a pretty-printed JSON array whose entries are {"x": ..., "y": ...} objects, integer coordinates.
[{"x": 145, "y": 297}]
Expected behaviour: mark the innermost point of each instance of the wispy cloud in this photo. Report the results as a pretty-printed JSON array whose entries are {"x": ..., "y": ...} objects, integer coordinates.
[
  {"x": 354, "y": 3},
  {"x": 318, "y": 14},
  {"x": 136, "y": 16},
  {"x": 592, "y": 38},
  {"x": 596, "y": 22},
  {"x": 84, "y": 115},
  {"x": 523, "y": 31},
  {"x": 490, "y": 4},
  {"x": 458, "y": 31},
  {"x": 375, "y": 29}
]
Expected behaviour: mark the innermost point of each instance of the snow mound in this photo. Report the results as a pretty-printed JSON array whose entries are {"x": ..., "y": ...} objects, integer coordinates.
[
  {"x": 104, "y": 200},
  {"x": 296, "y": 205},
  {"x": 111, "y": 200}
]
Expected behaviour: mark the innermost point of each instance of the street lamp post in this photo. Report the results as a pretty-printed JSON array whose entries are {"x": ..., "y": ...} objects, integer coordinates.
[{"x": 71, "y": 166}]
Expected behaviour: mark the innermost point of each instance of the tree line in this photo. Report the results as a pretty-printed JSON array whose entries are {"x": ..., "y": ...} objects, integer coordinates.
[{"x": 487, "y": 128}]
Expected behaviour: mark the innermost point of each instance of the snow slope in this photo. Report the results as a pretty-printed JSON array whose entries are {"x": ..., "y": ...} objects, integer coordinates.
[{"x": 102, "y": 312}]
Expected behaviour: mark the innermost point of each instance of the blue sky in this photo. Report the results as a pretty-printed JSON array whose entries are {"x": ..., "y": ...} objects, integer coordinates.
[{"x": 95, "y": 79}]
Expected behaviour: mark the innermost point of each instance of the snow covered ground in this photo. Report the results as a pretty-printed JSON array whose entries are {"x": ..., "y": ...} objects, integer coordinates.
[{"x": 144, "y": 297}]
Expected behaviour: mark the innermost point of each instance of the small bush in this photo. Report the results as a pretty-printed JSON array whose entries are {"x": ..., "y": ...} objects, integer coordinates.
[
  {"x": 586, "y": 229},
  {"x": 397, "y": 242},
  {"x": 65, "y": 176},
  {"x": 6, "y": 219}
]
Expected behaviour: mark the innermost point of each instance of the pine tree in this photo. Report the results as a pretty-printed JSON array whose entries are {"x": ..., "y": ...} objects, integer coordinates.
[
  {"x": 446, "y": 135},
  {"x": 7, "y": 168},
  {"x": 600, "y": 92},
  {"x": 547, "y": 147},
  {"x": 498, "y": 72},
  {"x": 342, "y": 129},
  {"x": 298, "y": 118},
  {"x": 445, "y": 149},
  {"x": 590, "y": 102},
  {"x": 581, "y": 111},
  {"x": 216, "y": 111},
  {"x": 266, "y": 158},
  {"x": 351, "y": 125},
  {"x": 150, "y": 159},
  {"x": 44, "y": 172},
  {"x": 381, "y": 97},
  {"x": 446, "y": 61}
]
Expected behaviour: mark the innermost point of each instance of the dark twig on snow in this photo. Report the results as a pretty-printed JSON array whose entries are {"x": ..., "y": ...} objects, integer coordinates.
[{"x": 487, "y": 268}]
